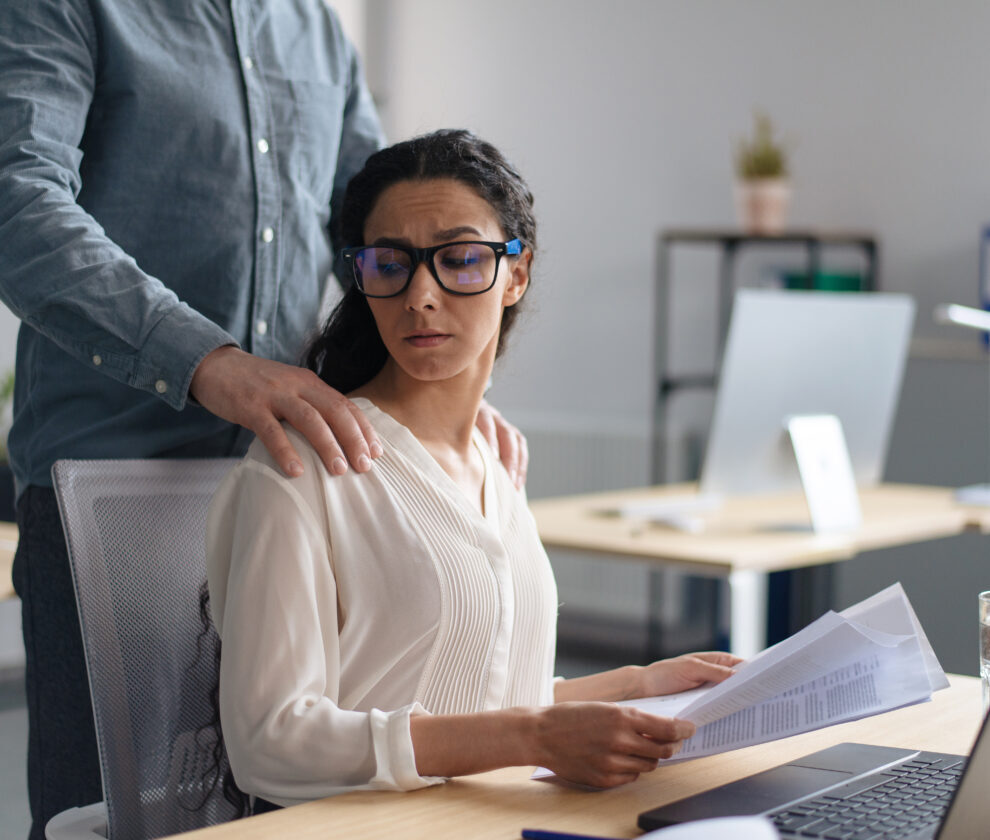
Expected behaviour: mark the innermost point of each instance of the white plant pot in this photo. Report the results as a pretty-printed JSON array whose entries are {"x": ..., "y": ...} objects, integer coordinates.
[{"x": 762, "y": 205}]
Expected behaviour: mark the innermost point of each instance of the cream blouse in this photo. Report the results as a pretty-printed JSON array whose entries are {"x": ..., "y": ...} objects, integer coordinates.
[{"x": 348, "y": 603}]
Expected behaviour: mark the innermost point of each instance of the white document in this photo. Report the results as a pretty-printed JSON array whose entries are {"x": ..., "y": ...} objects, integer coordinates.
[
  {"x": 871, "y": 658},
  {"x": 890, "y": 610}
]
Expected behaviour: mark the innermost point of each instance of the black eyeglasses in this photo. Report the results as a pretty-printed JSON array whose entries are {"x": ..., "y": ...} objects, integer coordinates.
[{"x": 461, "y": 268}]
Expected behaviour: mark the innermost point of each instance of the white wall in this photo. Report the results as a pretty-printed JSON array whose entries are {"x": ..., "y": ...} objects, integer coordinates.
[{"x": 623, "y": 116}]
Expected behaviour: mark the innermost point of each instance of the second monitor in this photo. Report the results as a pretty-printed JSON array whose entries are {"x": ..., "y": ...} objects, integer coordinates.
[{"x": 793, "y": 353}]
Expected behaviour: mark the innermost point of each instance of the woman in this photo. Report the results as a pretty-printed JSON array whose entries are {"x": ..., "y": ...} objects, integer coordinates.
[{"x": 393, "y": 628}]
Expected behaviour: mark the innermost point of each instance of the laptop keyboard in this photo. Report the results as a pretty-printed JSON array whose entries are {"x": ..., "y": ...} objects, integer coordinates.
[{"x": 896, "y": 803}]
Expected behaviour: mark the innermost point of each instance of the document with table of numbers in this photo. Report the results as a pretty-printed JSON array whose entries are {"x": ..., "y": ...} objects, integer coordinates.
[{"x": 868, "y": 659}]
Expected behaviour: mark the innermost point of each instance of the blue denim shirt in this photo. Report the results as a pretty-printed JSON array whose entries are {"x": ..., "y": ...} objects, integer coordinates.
[{"x": 167, "y": 174}]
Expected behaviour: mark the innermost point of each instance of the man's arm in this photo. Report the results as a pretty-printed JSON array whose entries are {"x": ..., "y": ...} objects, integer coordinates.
[
  {"x": 63, "y": 276},
  {"x": 59, "y": 272}
]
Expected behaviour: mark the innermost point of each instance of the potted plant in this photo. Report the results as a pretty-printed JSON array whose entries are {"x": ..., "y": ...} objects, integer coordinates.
[
  {"x": 763, "y": 188},
  {"x": 6, "y": 476}
]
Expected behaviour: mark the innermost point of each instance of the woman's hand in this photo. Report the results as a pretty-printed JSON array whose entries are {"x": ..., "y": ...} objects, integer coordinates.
[
  {"x": 605, "y": 745},
  {"x": 667, "y": 676},
  {"x": 598, "y": 744}
]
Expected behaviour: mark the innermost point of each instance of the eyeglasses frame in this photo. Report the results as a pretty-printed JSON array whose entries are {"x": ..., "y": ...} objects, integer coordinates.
[{"x": 512, "y": 248}]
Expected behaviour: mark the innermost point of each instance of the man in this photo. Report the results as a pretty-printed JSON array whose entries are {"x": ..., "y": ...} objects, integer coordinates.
[{"x": 168, "y": 171}]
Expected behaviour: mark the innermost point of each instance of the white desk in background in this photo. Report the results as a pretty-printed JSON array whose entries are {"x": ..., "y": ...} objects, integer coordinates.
[{"x": 748, "y": 536}]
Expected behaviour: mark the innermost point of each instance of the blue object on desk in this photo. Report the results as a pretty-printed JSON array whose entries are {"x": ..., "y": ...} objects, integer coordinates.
[
  {"x": 984, "y": 278},
  {"x": 540, "y": 834}
]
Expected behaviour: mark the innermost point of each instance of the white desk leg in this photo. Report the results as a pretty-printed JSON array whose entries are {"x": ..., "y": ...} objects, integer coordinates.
[{"x": 748, "y": 619}]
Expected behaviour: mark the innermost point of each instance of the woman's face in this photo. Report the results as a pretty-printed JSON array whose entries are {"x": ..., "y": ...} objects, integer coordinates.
[{"x": 431, "y": 334}]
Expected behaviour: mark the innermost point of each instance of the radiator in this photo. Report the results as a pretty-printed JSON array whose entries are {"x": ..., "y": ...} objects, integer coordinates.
[
  {"x": 567, "y": 461},
  {"x": 607, "y": 603}
]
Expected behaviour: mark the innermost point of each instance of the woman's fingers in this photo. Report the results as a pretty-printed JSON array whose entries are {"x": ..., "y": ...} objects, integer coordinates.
[
  {"x": 718, "y": 657},
  {"x": 701, "y": 671},
  {"x": 603, "y": 744},
  {"x": 506, "y": 441}
]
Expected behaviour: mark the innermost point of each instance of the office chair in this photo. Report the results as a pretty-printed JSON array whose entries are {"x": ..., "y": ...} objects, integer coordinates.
[{"x": 136, "y": 537}]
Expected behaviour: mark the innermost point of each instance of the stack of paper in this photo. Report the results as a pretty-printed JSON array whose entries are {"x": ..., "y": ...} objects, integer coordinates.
[{"x": 870, "y": 658}]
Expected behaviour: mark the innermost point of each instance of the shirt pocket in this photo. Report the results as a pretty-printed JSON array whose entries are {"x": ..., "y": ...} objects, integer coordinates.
[{"x": 308, "y": 119}]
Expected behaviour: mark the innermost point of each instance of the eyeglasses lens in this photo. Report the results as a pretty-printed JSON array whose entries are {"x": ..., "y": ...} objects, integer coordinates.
[
  {"x": 465, "y": 268},
  {"x": 462, "y": 267},
  {"x": 382, "y": 271}
]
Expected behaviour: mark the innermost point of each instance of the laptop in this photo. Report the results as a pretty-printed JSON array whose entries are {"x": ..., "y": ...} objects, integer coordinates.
[{"x": 856, "y": 792}]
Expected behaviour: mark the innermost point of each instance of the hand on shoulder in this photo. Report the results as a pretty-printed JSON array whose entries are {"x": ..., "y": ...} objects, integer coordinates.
[
  {"x": 506, "y": 441},
  {"x": 259, "y": 394}
]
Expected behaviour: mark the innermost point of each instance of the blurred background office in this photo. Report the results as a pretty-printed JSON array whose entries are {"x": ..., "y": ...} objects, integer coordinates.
[{"x": 624, "y": 117}]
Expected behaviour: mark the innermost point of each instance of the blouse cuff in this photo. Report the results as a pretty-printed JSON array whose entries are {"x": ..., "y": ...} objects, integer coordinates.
[{"x": 394, "y": 754}]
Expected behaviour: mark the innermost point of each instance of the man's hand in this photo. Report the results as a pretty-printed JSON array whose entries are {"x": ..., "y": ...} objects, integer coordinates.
[
  {"x": 506, "y": 440},
  {"x": 258, "y": 393}
]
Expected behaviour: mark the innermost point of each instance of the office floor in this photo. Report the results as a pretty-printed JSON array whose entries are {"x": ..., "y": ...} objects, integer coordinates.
[{"x": 14, "y": 815}]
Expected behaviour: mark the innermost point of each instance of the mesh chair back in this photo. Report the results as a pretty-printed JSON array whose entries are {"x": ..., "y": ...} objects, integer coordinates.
[{"x": 136, "y": 537}]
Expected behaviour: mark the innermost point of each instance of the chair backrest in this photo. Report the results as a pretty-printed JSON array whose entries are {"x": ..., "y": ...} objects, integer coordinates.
[{"x": 136, "y": 538}]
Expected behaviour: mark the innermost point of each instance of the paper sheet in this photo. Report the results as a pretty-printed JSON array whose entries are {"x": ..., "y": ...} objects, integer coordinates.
[{"x": 870, "y": 658}]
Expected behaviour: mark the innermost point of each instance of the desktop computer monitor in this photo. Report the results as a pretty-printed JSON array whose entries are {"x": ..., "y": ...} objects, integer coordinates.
[{"x": 800, "y": 352}]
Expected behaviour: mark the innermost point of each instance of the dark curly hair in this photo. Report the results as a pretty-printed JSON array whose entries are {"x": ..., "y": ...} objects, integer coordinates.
[{"x": 349, "y": 352}]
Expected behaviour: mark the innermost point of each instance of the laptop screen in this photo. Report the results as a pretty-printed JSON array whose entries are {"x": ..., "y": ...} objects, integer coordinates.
[{"x": 968, "y": 817}]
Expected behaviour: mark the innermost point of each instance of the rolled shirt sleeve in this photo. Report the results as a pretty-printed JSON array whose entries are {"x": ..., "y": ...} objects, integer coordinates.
[{"x": 60, "y": 272}]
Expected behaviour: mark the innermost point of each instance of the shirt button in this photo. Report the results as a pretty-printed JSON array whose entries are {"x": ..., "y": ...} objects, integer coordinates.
[
  {"x": 267, "y": 235},
  {"x": 248, "y": 63},
  {"x": 263, "y": 146},
  {"x": 261, "y": 327},
  {"x": 161, "y": 386},
  {"x": 97, "y": 360}
]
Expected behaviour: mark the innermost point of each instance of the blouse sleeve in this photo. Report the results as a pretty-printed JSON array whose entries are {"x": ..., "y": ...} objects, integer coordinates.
[{"x": 274, "y": 602}]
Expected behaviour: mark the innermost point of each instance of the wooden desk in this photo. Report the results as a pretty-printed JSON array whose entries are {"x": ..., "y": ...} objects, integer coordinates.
[
  {"x": 8, "y": 545},
  {"x": 748, "y": 536},
  {"x": 496, "y": 805}
]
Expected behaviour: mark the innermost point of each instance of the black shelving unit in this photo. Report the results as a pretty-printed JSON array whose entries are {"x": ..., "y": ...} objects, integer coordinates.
[
  {"x": 730, "y": 244},
  {"x": 805, "y": 592}
]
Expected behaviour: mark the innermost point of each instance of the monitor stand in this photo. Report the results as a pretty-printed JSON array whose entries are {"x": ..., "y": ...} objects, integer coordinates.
[
  {"x": 826, "y": 472},
  {"x": 974, "y": 494}
]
